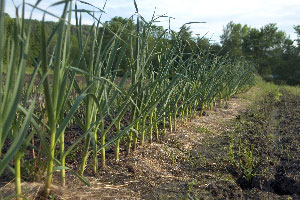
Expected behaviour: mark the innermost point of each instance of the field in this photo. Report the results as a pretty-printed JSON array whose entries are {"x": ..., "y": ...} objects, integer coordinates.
[
  {"x": 135, "y": 111},
  {"x": 244, "y": 148}
]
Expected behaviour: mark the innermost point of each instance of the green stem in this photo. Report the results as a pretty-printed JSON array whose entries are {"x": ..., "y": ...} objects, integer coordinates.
[
  {"x": 103, "y": 160},
  {"x": 175, "y": 121},
  {"x": 156, "y": 125},
  {"x": 144, "y": 130},
  {"x": 170, "y": 119},
  {"x": 191, "y": 112},
  {"x": 62, "y": 160},
  {"x": 195, "y": 109},
  {"x": 128, "y": 146},
  {"x": 201, "y": 110},
  {"x": 117, "y": 148},
  {"x": 164, "y": 125},
  {"x": 151, "y": 128},
  {"x": 48, "y": 179},
  {"x": 95, "y": 155},
  {"x": 175, "y": 118},
  {"x": 182, "y": 115},
  {"x": 85, "y": 154},
  {"x": 186, "y": 114},
  {"x": 18, "y": 188},
  {"x": 135, "y": 138},
  {"x": 210, "y": 105}
]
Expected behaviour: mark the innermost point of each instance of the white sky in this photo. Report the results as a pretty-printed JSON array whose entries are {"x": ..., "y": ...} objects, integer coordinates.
[{"x": 217, "y": 13}]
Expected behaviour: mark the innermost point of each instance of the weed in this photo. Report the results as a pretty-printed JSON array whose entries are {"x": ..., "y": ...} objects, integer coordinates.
[
  {"x": 163, "y": 196},
  {"x": 191, "y": 193},
  {"x": 191, "y": 185},
  {"x": 197, "y": 160},
  {"x": 248, "y": 162},
  {"x": 52, "y": 196},
  {"x": 171, "y": 154},
  {"x": 277, "y": 94},
  {"x": 231, "y": 157},
  {"x": 241, "y": 156},
  {"x": 271, "y": 137},
  {"x": 202, "y": 129}
]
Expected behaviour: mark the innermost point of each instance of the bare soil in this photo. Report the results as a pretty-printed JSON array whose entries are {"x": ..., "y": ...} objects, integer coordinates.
[{"x": 239, "y": 150}]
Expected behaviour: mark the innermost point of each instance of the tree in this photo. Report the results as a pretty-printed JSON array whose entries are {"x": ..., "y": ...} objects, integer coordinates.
[
  {"x": 185, "y": 33},
  {"x": 288, "y": 69},
  {"x": 297, "y": 31},
  {"x": 203, "y": 43},
  {"x": 232, "y": 38},
  {"x": 269, "y": 48},
  {"x": 274, "y": 53}
]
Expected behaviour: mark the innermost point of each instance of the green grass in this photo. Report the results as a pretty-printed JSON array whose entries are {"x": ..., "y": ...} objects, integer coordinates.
[
  {"x": 202, "y": 129},
  {"x": 262, "y": 87},
  {"x": 273, "y": 88}
]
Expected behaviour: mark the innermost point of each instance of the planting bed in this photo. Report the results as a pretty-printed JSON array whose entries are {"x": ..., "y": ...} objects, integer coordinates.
[{"x": 238, "y": 150}]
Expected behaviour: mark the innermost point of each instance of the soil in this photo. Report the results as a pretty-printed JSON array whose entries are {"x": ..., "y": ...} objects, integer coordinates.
[{"x": 238, "y": 150}]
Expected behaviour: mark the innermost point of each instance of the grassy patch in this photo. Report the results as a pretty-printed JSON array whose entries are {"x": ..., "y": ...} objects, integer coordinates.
[
  {"x": 261, "y": 88},
  {"x": 202, "y": 129}
]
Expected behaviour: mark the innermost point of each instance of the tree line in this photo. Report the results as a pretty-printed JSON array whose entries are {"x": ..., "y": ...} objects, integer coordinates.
[{"x": 276, "y": 55}]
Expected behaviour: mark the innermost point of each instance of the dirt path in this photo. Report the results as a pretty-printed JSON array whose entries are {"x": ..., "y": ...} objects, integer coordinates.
[
  {"x": 172, "y": 169},
  {"x": 235, "y": 151}
]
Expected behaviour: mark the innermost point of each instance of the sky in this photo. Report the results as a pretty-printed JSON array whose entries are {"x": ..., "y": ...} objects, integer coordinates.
[{"x": 216, "y": 13}]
